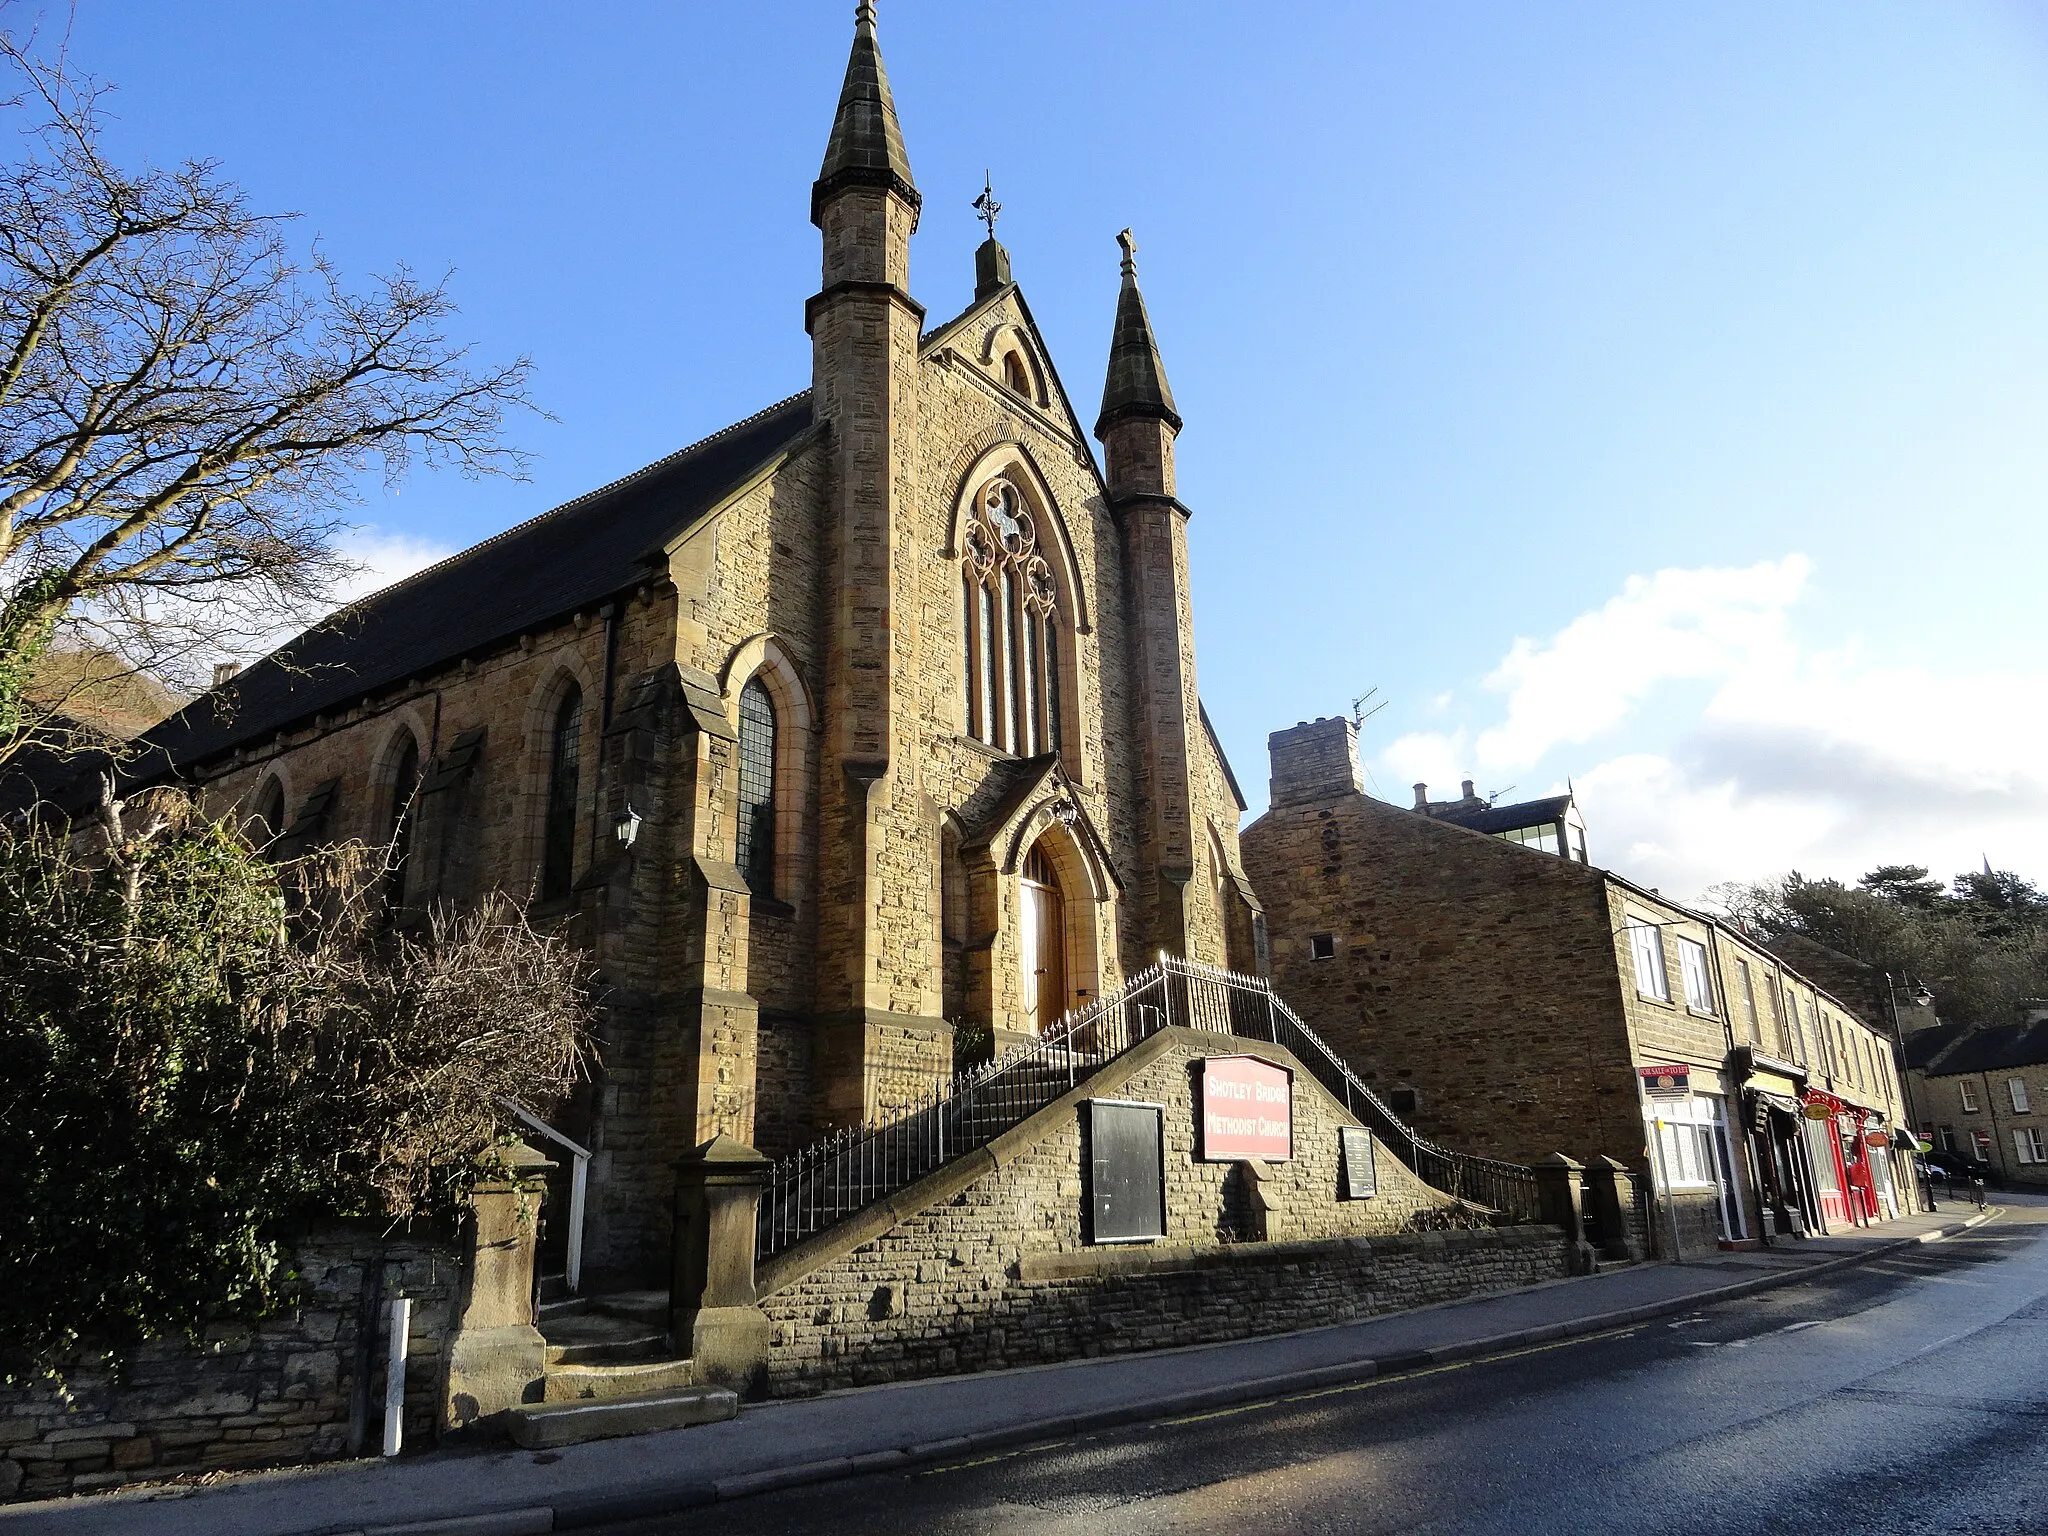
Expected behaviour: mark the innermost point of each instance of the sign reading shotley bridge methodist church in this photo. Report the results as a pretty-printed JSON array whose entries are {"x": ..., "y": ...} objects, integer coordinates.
[{"x": 1247, "y": 1110}]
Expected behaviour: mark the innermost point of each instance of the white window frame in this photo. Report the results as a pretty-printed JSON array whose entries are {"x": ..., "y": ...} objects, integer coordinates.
[
  {"x": 1697, "y": 980},
  {"x": 2016, "y": 1090},
  {"x": 2029, "y": 1145},
  {"x": 1646, "y": 942},
  {"x": 1967, "y": 1091}
]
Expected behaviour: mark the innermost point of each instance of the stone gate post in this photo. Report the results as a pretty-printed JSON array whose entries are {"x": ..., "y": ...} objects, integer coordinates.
[
  {"x": 1558, "y": 1194},
  {"x": 712, "y": 1315},
  {"x": 1610, "y": 1190},
  {"x": 496, "y": 1357}
]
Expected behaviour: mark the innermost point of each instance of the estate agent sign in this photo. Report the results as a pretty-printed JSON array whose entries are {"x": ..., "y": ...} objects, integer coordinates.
[{"x": 1247, "y": 1110}]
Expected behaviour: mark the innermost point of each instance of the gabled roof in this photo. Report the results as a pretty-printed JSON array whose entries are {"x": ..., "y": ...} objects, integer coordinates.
[
  {"x": 589, "y": 549},
  {"x": 1924, "y": 1047},
  {"x": 1506, "y": 818},
  {"x": 1994, "y": 1050}
]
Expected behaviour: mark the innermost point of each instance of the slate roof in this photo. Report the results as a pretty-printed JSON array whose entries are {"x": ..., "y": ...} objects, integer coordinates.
[
  {"x": 1923, "y": 1046},
  {"x": 1506, "y": 818},
  {"x": 1994, "y": 1050},
  {"x": 589, "y": 549}
]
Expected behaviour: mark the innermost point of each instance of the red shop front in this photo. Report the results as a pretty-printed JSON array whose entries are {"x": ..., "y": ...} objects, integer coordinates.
[{"x": 1848, "y": 1189}]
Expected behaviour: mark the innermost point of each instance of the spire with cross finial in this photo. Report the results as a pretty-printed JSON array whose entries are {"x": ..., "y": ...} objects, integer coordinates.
[
  {"x": 866, "y": 147},
  {"x": 1136, "y": 386}
]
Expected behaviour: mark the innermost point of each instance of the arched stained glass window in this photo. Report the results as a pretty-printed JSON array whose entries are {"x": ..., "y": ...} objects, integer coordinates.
[
  {"x": 1012, "y": 638},
  {"x": 755, "y": 853},
  {"x": 405, "y": 783},
  {"x": 565, "y": 757},
  {"x": 266, "y": 821}
]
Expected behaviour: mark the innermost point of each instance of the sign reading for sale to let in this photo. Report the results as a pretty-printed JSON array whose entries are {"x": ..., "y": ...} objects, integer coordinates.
[{"x": 1247, "y": 1110}]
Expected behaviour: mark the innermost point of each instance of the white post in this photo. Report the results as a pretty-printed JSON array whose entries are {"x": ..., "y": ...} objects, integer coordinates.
[
  {"x": 579, "y": 1175},
  {"x": 394, "y": 1376}
]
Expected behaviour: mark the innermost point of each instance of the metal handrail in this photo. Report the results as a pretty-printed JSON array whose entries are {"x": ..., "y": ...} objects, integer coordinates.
[
  {"x": 579, "y": 1178},
  {"x": 821, "y": 1185}
]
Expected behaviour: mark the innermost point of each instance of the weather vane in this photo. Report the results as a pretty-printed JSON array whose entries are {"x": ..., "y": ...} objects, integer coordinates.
[{"x": 985, "y": 206}]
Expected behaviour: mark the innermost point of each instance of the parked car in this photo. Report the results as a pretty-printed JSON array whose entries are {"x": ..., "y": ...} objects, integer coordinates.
[{"x": 1959, "y": 1167}]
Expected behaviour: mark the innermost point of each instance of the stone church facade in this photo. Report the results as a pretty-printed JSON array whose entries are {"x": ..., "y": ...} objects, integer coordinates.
[{"x": 859, "y": 733}]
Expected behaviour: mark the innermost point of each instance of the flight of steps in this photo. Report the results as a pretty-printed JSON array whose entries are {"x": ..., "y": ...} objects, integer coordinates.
[
  {"x": 611, "y": 1370},
  {"x": 613, "y": 1345}
]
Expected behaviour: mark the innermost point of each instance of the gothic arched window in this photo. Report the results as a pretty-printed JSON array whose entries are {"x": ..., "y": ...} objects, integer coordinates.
[
  {"x": 1011, "y": 607},
  {"x": 755, "y": 852},
  {"x": 405, "y": 783},
  {"x": 558, "y": 838},
  {"x": 266, "y": 818}
]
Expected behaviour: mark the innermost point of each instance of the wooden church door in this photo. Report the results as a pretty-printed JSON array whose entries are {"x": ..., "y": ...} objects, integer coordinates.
[{"x": 1043, "y": 936}]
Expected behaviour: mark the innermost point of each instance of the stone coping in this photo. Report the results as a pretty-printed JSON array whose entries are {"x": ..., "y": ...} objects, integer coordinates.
[
  {"x": 1170, "y": 1258},
  {"x": 956, "y": 1177}
]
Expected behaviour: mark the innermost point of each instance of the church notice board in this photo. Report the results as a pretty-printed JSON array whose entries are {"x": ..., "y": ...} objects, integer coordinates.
[
  {"x": 1126, "y": 1171},
  {"x": 1247, "y": 1110},
  {"x": 1360, "y": 1175}
]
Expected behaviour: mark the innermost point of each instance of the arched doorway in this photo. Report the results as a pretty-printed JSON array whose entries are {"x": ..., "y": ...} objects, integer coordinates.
[{"x": 1042, "y": 934}]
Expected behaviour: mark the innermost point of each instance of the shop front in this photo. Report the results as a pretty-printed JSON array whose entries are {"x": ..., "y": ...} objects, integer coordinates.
[
  {"x": 1690, "y": 1157},
  {"x": 1822, "y": 1113},
  {"x": 1781, "y": 1174}
]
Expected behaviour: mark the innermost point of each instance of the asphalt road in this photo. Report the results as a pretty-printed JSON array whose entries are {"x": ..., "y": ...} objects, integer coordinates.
[{"x": 1908, "y": 1395}]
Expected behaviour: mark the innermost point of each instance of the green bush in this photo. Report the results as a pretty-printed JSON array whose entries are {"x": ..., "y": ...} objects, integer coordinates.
[{"x": 198, "y": 1046}]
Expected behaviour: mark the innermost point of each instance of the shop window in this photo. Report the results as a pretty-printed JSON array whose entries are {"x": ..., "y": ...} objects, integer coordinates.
[
  {"x": 1692, "y": 967},
  {"x": 1322, "y": 946},
  {"x": 1646, "y": 946},
  {"x": 2017, "y": 1091},
  {"x": 2030, "y": 1146},
  {"x": 1969, "y": 1096}
]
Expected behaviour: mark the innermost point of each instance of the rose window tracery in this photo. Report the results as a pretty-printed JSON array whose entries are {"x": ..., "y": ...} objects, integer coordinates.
[{"x": 1011, "y": 613}]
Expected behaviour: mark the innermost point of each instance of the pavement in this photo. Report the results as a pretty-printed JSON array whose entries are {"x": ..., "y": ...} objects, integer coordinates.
[{"x": 772, "y": 1446}]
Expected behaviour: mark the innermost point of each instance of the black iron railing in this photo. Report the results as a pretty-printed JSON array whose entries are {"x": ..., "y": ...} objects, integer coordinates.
[{"x": 823, "y": 1184}]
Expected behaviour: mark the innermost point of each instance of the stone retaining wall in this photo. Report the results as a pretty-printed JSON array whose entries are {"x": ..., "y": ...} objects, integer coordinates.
[
  {"x": 987, "y": 1265},
  {"x": 244, "y": 1395}
]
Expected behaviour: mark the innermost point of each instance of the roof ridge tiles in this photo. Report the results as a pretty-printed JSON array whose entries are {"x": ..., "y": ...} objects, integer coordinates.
[{"x": 555, "y": 511}]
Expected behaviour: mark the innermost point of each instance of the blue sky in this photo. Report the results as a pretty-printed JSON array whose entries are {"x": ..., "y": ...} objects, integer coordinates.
[{"x": 1654, "y": 397}]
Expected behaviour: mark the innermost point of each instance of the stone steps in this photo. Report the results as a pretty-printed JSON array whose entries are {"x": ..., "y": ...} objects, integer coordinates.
[
  {"x": 549, "y": 1425},
  {"x": 609, "y": 1346}
]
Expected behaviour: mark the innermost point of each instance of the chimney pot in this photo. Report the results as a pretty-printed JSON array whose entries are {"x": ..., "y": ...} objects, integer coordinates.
[
  {"x": 1468, "y": 788},
  {"x": 1422, "y": 797}
]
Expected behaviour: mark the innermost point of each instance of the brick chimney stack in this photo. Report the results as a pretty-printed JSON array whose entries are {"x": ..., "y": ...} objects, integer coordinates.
[{"x": 1316, "y": 760}]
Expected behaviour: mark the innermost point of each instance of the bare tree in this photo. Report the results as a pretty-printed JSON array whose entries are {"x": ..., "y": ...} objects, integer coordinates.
[{"x": 186, "y": 407}]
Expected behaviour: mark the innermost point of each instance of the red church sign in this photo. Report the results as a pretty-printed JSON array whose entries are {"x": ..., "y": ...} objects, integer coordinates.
[{"x": 1247, "y": 1110}]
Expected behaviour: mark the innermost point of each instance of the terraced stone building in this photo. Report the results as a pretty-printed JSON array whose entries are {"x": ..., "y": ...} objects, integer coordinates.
[{"x": 863, "y": 725}]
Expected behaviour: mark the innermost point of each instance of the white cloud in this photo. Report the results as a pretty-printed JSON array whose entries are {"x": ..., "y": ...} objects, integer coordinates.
[
  {"x": 1694, "y": 625},
  {"x": 382, "y": 558},
  {"x": 1801, "y": 757}
]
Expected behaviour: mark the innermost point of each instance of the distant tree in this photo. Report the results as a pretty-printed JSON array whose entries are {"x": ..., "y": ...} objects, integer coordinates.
[
  {"x": 1907, "y": 885},
  {"x": 186, "y": 406},
  {"x": 1981, "y": 946}
]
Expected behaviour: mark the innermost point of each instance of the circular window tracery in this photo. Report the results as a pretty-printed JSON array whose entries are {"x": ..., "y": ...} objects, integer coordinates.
[{"x": 1011, "y": 624}]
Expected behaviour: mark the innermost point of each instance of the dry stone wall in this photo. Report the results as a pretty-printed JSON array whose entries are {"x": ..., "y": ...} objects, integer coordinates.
[
  {"x": 266, "y": 1394},
  {"x": 999, "y": 1271}
]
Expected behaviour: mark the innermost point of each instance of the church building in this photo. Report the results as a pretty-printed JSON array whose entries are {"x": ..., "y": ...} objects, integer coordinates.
[{"x": 855, "y": 740}]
